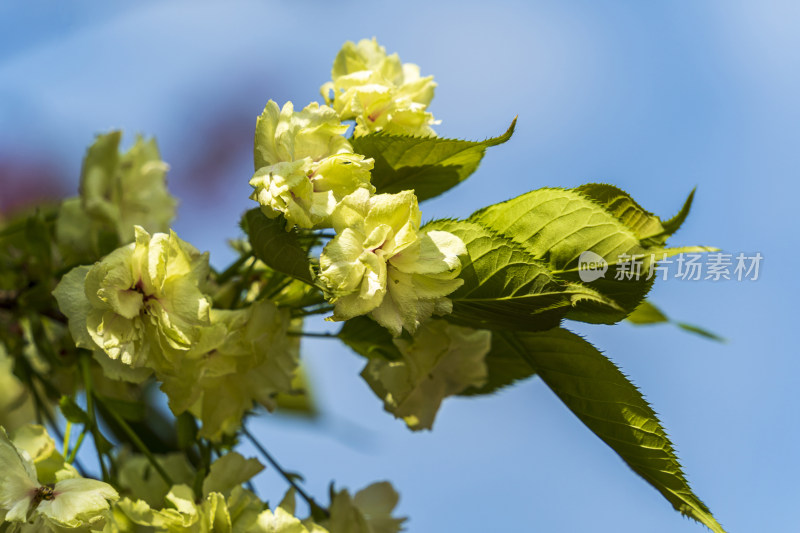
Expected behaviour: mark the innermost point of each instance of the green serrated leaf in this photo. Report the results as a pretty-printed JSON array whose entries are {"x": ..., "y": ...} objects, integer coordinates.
[
  {"x": 673, "y": 224},
  {"x": 600, "y": 395},
  {"x": 620, "y": 204},
  {"x": 277, "y": 248},
  {"x": 558, "y": 226},
  {"x": 428, "y": 165},
  {"x": 648, "y": 227},
  {"x": 505, "y": 287},
  {"x": 72, "y": 411},
  {"x": 647, "y": 313}
]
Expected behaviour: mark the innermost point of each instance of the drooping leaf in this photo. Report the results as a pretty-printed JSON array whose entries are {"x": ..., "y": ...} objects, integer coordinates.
[
  {"x": 562, "y": 227},
  {"x": 603, "y": 398},
  {"x": 505, "y": 287},
  {"x": 276, "y": 247},
  {"x": 647, "y": 313},
  {"x": 428, "y": 165}
]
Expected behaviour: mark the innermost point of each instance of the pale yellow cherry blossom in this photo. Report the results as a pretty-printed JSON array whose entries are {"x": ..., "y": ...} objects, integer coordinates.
[
  {"x": 379, "y": 92},
  {"x": 142, "y": 304},
  {"x": 381, "y": 263},
  {"x": 304, "y": 165}
]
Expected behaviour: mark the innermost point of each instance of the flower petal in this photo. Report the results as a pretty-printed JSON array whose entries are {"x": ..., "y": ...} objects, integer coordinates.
[{"x": 76, "y": 501}]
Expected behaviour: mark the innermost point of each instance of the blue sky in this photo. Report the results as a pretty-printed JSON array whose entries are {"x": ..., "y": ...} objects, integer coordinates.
[{"x": 656, "y": 98}]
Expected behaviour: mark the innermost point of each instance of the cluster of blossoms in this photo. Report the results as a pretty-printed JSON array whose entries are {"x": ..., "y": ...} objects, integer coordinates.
[
  {"x": 225, "y": 505},
  {"x": 380, "y": 262},
  {"x": 148, "y": 307},
  {"x": 41, "y": 491},
  {"x": 144, "y": 309},
  {"x": 141, "y": 310}
]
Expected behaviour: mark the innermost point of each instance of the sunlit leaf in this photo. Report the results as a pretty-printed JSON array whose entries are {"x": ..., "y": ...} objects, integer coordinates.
[
  {"x": 561, "y": 227},
  {"x": 603, "y": 398},
  {"x": 506, "y": 287},
  {"x": 428, "y": 165}
]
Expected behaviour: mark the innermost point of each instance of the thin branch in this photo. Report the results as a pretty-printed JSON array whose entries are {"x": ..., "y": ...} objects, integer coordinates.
[
  {"x": 141, "y": 446},
  {"x": 74, "y": 452},
  {"x": 67, "y": 432},
  {"x": 287, "y": 477}
]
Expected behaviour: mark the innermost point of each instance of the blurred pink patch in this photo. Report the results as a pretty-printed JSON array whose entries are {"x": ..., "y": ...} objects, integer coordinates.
[{"x": 26, "y": 182}]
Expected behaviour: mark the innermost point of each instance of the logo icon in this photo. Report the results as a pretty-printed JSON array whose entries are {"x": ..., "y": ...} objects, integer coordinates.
[{"x": 591, "y": 266}]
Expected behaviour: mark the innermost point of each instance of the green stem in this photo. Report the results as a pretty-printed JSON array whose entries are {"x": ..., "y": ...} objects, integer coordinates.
[
  {"x": 87, "y": 385},
  {"x": 67, "y": 432},
  {"x": 141, "y": 446},
  {"x": 314, "y": 505},
  {"x": 77, "y": 447}
]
